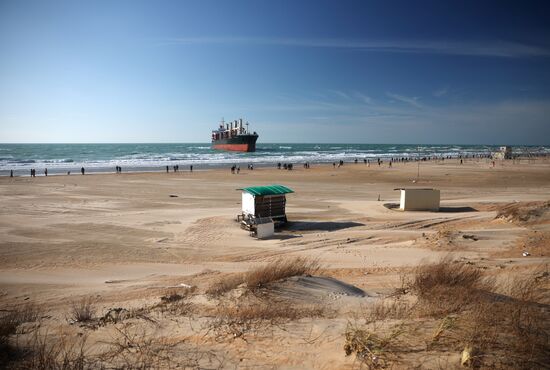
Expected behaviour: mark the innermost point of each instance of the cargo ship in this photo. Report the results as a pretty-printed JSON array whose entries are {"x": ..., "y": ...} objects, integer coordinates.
[{"x": 233, "y": 136}]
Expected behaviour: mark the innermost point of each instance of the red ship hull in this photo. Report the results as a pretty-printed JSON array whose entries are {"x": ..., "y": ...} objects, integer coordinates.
[{"x": 235, "y": 147}]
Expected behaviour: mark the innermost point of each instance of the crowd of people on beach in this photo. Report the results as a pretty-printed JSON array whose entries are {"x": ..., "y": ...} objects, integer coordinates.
[
  {"x": 235, "y": 169},
  {"x": 288, "y": 166}
]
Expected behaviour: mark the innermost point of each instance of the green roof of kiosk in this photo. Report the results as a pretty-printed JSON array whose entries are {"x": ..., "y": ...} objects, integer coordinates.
[{"x": 267, "y": 190}]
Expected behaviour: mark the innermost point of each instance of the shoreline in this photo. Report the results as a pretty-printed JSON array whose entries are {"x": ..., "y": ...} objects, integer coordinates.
[{"x": 201, "y": 166}]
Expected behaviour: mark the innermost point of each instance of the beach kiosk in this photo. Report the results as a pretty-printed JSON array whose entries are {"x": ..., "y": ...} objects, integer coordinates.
[
  {"x": 261, "y": 202},
  {"x": 504, "y": 152},
  {"x": 415, "y": 199}
]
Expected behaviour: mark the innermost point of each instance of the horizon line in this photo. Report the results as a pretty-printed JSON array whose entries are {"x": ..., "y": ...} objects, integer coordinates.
[{"x": 312, "y": 143}]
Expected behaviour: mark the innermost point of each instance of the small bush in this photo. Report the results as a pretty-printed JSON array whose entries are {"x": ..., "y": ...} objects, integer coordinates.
[
  {"x": 83, "y": 310},
  {"x": 10, "y": 321},
  {"x": 447, "y": 274},
  {"x": 225, "y": 284},
  {"x": 47, "y": 352},
  {"x": 280, "y": 269},
  {"x": 176, "y": 303},
  {"x": 137, "y": 347},
  {"x": 509, "y": 330},
  {"x": 447, "y": 286},
  {"x": 261, "y": 276},
  {"x": 388, "y": 309},
  {"x": 372, "y": 349},
  {"x": 12, "y": 317},
  {"x": 239, "y": 317}
]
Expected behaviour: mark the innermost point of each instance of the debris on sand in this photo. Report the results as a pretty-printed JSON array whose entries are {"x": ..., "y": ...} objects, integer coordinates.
[{"x": 523, "y": 212}]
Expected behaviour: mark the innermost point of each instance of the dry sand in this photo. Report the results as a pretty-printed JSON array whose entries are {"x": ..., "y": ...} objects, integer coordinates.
[{"x": 124, "y": 238}]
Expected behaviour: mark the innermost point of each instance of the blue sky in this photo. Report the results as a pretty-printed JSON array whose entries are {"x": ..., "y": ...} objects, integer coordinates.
[{"x": 298, "y": 71}]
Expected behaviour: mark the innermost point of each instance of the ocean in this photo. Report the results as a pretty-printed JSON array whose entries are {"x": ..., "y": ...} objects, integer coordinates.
[{"x": 60, "y": 158}]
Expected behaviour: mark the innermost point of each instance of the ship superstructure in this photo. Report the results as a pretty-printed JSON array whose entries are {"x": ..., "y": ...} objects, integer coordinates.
[{"x": 234, "y": 136}]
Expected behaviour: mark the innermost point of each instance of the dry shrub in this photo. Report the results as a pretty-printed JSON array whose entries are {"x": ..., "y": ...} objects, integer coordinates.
[
  {"x": 447, "y": 274},
  {"x": 280, "y": 269},
  {"x": 521, "y": 212},
  {"x": 225, "y": 284},
  {"x": 56, "y": 352},
  {"x": 176, "y": 302},
  {"x": 83, "y": 310},
  {"x": 249, "y": 315},
  {"x": 261, "y": 276},
  {"x": 371, "y": 348},
  {"x": 136, "y": 347},
  {"x": 388, "y": 309},
  {"x": 11, "y": 318},
  {"x": 501, "y": 326},
  {"x": 447, "y": 286},
  {"x": 503, "y": 330},
  {"x": 10, "y": 321}
]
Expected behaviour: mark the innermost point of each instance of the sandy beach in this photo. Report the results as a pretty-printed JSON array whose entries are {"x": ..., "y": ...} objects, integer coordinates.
[{"x": 125, "y": 239}]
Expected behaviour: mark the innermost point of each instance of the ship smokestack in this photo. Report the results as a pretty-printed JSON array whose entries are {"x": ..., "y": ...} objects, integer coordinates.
[{"x": 240, "y": 125}]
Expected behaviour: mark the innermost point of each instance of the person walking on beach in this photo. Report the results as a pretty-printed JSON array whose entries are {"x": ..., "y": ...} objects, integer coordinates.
[
  {"x": 11, "y": 173},
  {"x": 167, "y": 169},
  {"x": 45, "y": 172},
  {"x": 238, "y": 169},
  {"x": 191, "y": 168},
  {"x": 82, "y": 170}
]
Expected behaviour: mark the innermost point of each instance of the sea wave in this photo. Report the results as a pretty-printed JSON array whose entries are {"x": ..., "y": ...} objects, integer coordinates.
[{"x": 104, "y": 157}]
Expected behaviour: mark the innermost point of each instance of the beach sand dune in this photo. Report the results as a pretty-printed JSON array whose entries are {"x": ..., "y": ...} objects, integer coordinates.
[{"x": 129, "y": 239}]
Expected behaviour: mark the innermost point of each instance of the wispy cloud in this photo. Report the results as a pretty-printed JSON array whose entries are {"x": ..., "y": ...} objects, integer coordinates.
[
  {"x": 441, "y": 92},
  {"x": 341, "y": 94},
  {"x": 363, "y": 97},
  {"x": 493, "y": 48},
  {"x": 406, "y": 99}
]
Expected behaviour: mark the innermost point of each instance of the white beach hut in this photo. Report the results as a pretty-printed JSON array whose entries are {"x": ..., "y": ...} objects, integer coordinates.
[
  {"x": 504, "y": 152},
  {"x": 264, "y": 201},
  {"x": 416, "y": 199}
]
